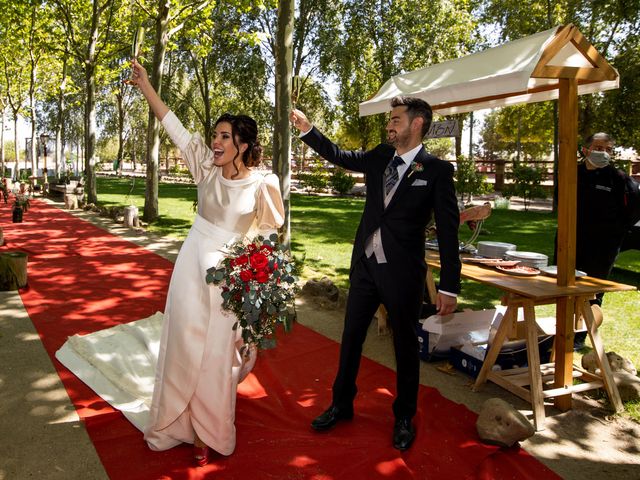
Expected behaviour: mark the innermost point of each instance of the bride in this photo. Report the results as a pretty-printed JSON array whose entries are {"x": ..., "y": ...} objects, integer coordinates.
[{"x": 199, "y": 361}]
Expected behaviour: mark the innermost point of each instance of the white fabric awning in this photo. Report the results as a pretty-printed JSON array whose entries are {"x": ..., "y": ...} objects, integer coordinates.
[{"x": 522, "y": 71}]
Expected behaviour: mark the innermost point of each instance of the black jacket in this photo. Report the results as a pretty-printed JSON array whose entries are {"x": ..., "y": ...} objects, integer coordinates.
[{"x": 402, "y": 224}]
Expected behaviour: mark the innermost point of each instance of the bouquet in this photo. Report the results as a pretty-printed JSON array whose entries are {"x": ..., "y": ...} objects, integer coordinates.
[{"x": 258, "y": 285}]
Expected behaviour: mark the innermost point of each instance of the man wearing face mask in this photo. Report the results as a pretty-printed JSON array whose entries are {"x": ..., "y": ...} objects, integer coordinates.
[{"x": 601, "y": 218}]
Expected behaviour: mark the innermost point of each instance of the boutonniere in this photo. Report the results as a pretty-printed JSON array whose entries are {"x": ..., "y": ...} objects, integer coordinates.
[{"x": 415, "y": 167}]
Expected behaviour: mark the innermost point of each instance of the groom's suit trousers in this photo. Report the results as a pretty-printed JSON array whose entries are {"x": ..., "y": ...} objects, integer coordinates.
[{"x": 371, "y": 285}]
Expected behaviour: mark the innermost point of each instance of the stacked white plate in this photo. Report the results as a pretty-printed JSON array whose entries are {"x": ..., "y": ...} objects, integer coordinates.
[
  {"x": 528, "y": 259},
  {"x": 494, "y": 249}
]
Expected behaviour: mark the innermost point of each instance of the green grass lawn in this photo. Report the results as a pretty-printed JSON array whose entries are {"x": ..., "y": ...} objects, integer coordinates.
[
  {"x": 323, "y": 229},
  {"x": 175, "y": 202}
]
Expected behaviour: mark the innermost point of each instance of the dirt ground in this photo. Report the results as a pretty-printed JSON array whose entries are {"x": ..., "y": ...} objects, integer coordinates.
[{"x": 42, "y": 437}]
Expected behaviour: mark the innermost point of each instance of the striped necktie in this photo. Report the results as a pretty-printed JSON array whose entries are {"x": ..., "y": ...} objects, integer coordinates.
[{"x": 391, "y": 174}]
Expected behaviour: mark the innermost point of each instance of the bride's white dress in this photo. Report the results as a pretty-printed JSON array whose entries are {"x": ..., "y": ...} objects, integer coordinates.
[{"x": 196, "y": 360}]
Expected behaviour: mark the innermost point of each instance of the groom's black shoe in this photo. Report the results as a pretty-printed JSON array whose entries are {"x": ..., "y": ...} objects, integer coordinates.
[
  {"x": 403, "y": 434},
  {"x": 330, "y": 417}
]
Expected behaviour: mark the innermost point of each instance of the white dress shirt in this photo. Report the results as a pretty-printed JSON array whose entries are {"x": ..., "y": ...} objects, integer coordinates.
[{"x": 374, "y": 242}]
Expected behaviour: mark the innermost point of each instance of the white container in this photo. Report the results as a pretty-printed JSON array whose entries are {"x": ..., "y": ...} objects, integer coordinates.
[
  {"x": 528, "y": 259},
  {"x": 469, "y": 327},
  {"x": 494, "y": 249}
]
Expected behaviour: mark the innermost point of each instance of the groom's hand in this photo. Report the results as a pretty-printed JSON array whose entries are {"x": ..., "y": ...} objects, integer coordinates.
[
  {"x": 300, "y": 120},
  {"x": 445, "y": 304}
]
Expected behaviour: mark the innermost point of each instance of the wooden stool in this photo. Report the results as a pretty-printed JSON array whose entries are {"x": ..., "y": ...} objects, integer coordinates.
[
  {"x": 536, "y": 374},
  {"x": 13, "y": 270},
  {"x": 71, "y": 201},
  {"x": 131, "y": 216}
]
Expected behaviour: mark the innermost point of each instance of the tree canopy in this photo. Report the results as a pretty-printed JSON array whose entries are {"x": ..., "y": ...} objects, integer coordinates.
[{"x": 63, "y": 64}]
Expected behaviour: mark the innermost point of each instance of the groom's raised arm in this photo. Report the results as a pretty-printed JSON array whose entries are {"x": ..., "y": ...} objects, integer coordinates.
[{"x": 351, "y": 160}]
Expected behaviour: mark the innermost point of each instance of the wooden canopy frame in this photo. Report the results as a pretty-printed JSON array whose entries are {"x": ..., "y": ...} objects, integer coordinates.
[{"x": 568, "y": 80}]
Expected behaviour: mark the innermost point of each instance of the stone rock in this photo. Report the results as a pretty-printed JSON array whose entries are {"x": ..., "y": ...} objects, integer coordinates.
[
  {"x": 621, "y": 364},
  {"x": 501, "y": 424},
  {"x": 323, "y": 288},
  {"x": 618, "y": 364},
  {"x": 589, "y": 362},
  {"x": 359, "y": 190},
  {"x": 628, "y": 385}
]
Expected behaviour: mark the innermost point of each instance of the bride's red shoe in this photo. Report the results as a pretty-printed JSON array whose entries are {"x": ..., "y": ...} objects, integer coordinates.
[{"x": 201, "y": 455}]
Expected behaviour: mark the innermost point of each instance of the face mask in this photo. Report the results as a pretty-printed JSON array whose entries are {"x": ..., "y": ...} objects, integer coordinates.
[{"x": 599, "y": 159}]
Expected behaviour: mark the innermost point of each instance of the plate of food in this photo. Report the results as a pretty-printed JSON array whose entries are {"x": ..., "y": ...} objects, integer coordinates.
[
  {"x": 552, "y": 270},
  {"x": 492, "y": 262},
  {"x": 521, "y": 270}
]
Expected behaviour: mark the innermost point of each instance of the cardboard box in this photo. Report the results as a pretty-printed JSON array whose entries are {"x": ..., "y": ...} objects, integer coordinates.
[
  {"x": 439, "y": 333},
  {"x": 471, "y": 329},
  {"x": 469, "y": 358}
]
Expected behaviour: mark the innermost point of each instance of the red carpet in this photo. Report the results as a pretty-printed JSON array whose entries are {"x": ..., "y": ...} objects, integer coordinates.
[{"x": 83, "y": 279}]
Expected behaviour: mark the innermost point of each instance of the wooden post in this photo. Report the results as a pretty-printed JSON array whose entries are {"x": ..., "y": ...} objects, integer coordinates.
[{"x": 566, "y": 254}]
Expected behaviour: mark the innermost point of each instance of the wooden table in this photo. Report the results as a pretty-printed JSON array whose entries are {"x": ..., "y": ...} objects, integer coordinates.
[{"x": 526, "y": 293}]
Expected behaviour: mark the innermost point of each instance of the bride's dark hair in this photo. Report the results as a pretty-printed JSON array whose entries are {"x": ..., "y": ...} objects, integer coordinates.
[{"x": 244, "y": 129}]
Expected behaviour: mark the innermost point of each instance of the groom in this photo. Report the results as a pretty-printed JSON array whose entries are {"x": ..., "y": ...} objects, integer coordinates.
[{"x": 405, "y": 186}]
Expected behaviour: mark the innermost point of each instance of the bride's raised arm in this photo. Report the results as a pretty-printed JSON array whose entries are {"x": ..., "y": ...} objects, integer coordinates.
[{"x": 140, "y": 79}]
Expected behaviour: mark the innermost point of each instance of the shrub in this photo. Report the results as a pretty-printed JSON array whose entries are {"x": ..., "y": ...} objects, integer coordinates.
[
  {"x": 317, "y": 178},
  {"x": 341, "y": 181},
  {"x": 468, "y": 181},
  {"x": 527, "y": 183}
]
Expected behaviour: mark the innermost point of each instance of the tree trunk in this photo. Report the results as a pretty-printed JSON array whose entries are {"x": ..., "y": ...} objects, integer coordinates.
[
  {"x": 15, "y": 144},
  {"x": 206, "y": 99},
  {"x": 90, "y": 135},
  {"x": 32, "y": 99},
  {"x": 153, "y": 127},
  {"x": 90, "y": 109},
  {"x": 34, "y": 144},
  {"x": 3, "y": 119},
  {"x": 121, "y": 113},
  {"x": 60, "y": 130},
  {"x": 281, "y": 130}
]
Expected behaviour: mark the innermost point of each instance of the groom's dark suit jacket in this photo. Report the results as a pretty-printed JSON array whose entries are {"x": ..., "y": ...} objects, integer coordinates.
[{"x": 402, "y": 224}]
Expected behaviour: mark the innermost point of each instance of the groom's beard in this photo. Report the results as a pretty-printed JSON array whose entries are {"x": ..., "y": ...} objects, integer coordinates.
[{"x": 398, "y": 138}]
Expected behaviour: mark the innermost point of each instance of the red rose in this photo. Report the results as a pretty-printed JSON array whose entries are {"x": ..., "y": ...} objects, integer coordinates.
[
  {"x": 262, "y": 276},
  {"x": 258, "y": 261},
  {"x": 266, "y": 249},
  {"x": 246, "y": 275},
  {"x": 242, "y": 260},
  {"x": 252, "y": 247}
]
